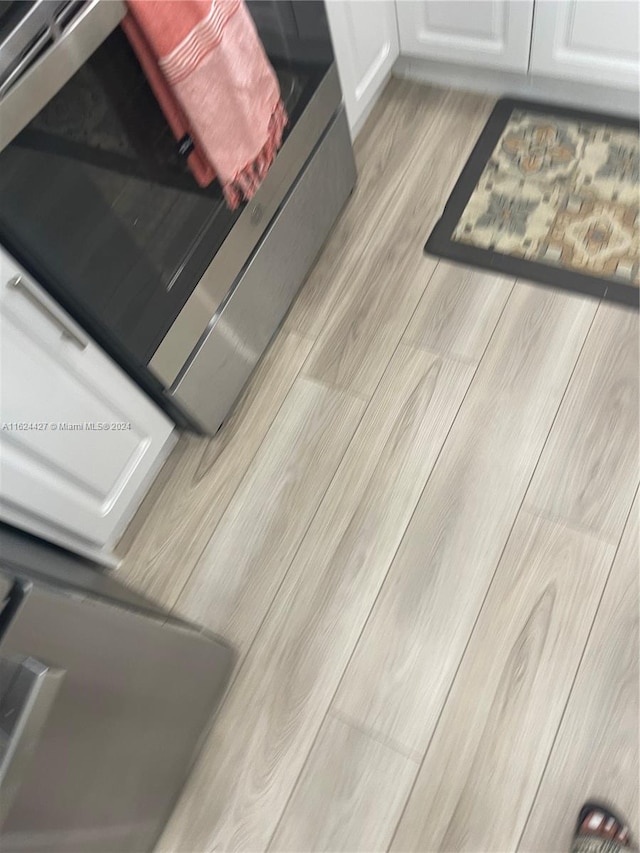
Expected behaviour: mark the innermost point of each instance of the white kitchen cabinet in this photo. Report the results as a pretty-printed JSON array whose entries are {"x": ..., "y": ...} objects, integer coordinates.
[
  {"x": 594, "y": 41},
  {"x": 365, "y": 41},
  {"x": 487, "y": 33},
  {"x": 79, "y": 441}
]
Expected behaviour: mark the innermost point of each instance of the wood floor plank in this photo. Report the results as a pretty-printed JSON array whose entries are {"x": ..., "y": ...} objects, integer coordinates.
[
  {"x": 371, "y": 314},
  {"x": 480, "y": 774},
  {"x": 590, "y": 468},
  {"x": 350, "y": 794},
  {"x": 596, "y": 752},
  {"x": 476, "y": 298},
  {"x": 278, "y": 701},
  {"x": 241, "y": 568},
  {"x": 383, "y": 150},
  {"x": 180, "y": 514},
  {"x": 400, "y": 673}
]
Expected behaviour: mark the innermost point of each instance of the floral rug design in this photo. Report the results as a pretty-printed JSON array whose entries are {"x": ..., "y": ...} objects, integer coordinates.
[
  {"x": 560, "y": 192},
  {"x": 551, "y": 195}
]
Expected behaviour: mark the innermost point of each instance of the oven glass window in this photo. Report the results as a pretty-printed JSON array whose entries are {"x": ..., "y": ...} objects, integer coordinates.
[{"x": 96, "y": 201}]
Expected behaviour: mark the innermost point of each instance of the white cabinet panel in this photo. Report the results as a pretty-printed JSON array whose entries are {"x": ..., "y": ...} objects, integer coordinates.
[
  {"x": 595, "y": 41},
  {"x": 489, "y": 33},
  {"x": 365, "y": 41},
  {"x": 65, "y": 474}
]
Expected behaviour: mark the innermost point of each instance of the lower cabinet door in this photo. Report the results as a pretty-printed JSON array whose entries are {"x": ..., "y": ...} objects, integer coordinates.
[
  {"x": 79, "y": 441},
  {"x": 595, "y": 41},
  {"x": 365, "y": 41},
  {"x": 487, "y": 33}
]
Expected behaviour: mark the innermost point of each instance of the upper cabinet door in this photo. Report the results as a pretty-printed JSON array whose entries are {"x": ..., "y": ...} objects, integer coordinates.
[
  {"x": 79, "y": 442},
  {"x": 488, "y": 33},
  {"x": 365, "y": 42},
  {"x": 596, "y": 41}
]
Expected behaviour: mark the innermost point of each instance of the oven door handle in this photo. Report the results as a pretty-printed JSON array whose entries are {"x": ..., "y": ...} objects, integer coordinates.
[
  {"x": 19, "y": 282},
  {"x": 24, "y": 710},
  {"x": 25, "y": 61},
  {"x": 73, "y": 43}
]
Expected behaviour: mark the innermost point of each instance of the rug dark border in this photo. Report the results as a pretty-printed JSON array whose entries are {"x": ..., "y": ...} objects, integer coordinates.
[{"x": 441, "y": 244}]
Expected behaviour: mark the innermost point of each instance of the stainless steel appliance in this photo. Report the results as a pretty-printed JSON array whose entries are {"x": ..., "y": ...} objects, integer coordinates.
[
  {"x": 104, "y": 701},
  {"x": 97, "y": 203}
]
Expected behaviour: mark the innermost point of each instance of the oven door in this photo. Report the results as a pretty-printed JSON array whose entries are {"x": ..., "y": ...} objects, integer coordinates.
[{"x": 98, "y": 204}]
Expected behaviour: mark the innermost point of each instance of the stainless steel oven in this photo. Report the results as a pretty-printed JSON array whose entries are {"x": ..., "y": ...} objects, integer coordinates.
[{"x": 97, "y": 203}]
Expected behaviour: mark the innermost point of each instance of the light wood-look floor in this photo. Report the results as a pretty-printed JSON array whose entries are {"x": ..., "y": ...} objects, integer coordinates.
[{"x": 418, "y": 530}]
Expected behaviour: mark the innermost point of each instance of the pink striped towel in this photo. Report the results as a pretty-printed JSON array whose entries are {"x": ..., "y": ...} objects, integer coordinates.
[{"x": 209, "y": 72}]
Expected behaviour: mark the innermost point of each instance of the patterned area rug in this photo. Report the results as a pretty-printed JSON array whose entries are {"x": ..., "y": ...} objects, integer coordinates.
[{"x": 551, "y": 195}]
